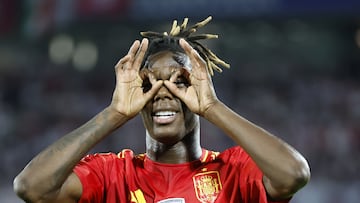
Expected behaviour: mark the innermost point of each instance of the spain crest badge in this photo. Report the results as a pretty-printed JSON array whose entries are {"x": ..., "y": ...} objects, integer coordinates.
[{"x": 207, "y": 186}]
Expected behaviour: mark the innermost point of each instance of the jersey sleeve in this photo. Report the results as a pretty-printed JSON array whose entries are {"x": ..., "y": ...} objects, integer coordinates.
[
  {"x": 251, "y": 179},
  {"x": 93, "y": 172}
]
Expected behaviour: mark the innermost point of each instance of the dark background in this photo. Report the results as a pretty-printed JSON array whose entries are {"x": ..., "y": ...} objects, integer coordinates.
[{"x": 295, "y": 70}]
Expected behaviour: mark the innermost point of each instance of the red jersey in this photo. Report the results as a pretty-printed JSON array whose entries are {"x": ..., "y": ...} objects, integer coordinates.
[{"x": 230, "y": 176}]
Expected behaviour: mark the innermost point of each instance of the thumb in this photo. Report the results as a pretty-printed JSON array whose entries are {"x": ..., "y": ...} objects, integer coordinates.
[
  {"x": 154, "y": 89},
  {"x": 174, "y": 89}
]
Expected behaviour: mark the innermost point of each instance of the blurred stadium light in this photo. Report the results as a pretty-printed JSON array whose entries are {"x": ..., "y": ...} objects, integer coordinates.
[{"x": 295, "y": 70}]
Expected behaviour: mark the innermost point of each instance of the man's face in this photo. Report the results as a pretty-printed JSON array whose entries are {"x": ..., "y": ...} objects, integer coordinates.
[{"x": 166, "y": 118}]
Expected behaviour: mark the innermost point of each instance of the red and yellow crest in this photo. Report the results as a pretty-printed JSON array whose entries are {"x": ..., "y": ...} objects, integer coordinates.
[{"x": 207, "y": 186}]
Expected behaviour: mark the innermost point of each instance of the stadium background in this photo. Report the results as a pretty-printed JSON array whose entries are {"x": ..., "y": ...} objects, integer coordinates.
[{"x": 295, "y": 71}]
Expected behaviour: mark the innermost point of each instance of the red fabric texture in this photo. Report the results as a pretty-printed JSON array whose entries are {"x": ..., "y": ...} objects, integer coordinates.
[{"x": 230, "y": 176}]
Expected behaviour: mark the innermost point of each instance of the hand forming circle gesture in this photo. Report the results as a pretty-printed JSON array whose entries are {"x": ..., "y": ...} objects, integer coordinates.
[
  {"x": 200, "y": 95},
  {"x": 129, "y": 97}
]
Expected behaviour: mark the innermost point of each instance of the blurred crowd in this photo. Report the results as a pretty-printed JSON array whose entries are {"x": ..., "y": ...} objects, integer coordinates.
[
  {"x": 318, "y": 116},
  {"x": 297, "y": 78}
]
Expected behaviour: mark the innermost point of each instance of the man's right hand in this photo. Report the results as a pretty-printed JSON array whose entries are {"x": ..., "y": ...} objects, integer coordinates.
[{"x": 129, "y": 97}]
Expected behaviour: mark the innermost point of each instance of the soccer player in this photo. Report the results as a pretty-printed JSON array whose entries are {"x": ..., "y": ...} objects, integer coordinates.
[{"x": 167, "y": 79}]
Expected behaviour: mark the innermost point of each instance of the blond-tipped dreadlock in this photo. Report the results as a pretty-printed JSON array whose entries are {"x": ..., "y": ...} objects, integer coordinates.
[{"x": 181, "y": 31}]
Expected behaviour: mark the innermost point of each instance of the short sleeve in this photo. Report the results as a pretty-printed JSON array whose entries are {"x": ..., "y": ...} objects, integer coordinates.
[
  {"x": 251, "y": 185},
  {"x": 91, "y": 171}
]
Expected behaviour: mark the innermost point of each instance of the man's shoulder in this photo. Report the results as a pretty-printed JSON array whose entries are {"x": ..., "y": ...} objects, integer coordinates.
[
  {"x": 123, "y": 154},
  {"x": 111, "y": 159},
  {"x": 232, "y": 154},
  {"x": 232, "y": 150}
]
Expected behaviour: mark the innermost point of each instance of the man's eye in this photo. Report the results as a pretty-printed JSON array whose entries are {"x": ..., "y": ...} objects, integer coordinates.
[
  {"x": 146, "y": 86},
  {"x": 181, "y": 83}
]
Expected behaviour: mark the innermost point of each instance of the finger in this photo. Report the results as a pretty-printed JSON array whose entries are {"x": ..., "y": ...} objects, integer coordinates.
[
  {"x": 189, "y": 50},
  {"x": 133, "y": 50},
  {"x": 152, "y": 78},
  {"x": 141, "y": 53},
  {"x": 122, "y": 61},
  {"x": 134, "y": 47},
  {"x": 194, "y": 56},
  {"x": 147, "y": 74},
  {"x": 186, "y": 46},
  {"x": 176, "y": 74},
  {"x": 120, "y": 64},
  {"x": 174, "y": 89},
  {"x": 154, "y": 89}
]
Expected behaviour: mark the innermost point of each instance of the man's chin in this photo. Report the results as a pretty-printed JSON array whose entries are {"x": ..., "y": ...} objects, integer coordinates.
[{"x": 167, "y": 137}]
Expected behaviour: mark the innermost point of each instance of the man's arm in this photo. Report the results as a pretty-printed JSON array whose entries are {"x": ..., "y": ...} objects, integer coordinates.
[
  {"x": 49, "y": 177},
  {"x": 44, "y": 177},
  {"x": 285, "y": 170}
]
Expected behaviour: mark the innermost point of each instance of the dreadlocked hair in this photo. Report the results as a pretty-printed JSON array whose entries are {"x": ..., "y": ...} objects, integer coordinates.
[{"x": 170, "y": 41}]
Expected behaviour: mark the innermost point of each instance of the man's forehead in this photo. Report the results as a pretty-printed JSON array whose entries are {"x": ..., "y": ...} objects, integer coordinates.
[
  {"x": 164, "y": 62},
  {"x": 169, "y": 59}
]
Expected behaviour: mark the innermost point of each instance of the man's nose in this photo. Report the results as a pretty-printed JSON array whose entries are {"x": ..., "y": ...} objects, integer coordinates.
[{"x": 163, "y": 93}]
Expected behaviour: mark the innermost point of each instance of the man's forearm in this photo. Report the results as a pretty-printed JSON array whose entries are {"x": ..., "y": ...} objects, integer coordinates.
[
  {"x": 54, "y": 164},
  {"x": 280, "y": 163}
]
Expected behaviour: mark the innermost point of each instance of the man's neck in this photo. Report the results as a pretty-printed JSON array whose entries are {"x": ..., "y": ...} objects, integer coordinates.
[{"x": 186, "y": 150}]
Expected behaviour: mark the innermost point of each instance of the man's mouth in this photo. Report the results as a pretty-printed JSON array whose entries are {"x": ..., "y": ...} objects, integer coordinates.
[{"x": 164, "y": 117}]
